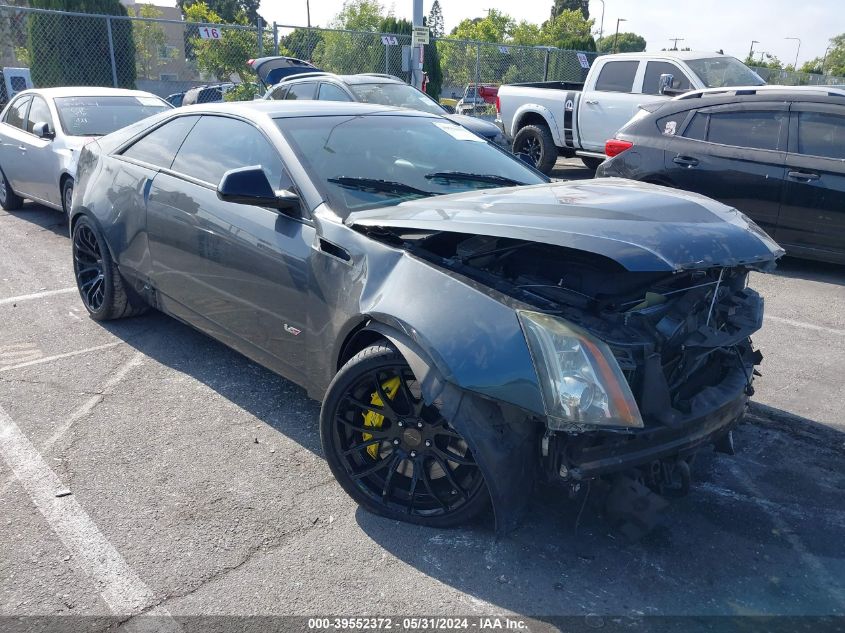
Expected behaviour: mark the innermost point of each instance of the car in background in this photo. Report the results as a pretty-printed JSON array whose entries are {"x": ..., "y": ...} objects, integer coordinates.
[
  {"x": 469, "y": 326},
  {"x": 776, "y": 153},
  {"x": 13, "y": 81},
  {"x": 477, "y": 98},
  {"x": 43, "y": 130},
  {"x": 380, "y": 89},
  {"x": 175, "y": 99},
  {"x": 206, "y": 94}
]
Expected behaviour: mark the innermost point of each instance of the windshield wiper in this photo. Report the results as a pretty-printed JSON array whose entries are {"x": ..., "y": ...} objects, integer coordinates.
[
  {"x": 466, "y": 176},
  {"x": 379, "y": 186}
]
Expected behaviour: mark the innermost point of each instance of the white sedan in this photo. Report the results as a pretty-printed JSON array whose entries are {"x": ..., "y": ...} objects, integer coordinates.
[{"x": 42, "y": 132}]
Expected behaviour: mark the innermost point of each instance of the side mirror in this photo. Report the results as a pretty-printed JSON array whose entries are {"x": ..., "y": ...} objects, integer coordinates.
[
  {"x": 42, "y": 130},
  {"x": 666, "y": 81},
  {"x": 249, "y": 185}
]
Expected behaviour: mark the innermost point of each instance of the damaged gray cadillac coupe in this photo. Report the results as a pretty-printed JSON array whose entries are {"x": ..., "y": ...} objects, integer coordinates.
[{"x": 469, "y": 326}]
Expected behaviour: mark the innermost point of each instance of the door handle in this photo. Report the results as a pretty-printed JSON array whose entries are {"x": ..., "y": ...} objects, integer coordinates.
[
  {"x": 22, "y": 148},
  {"x": 591, "y": 102},
  {"x": 686, "y": 161},
  {"x": 803, "y": 175}
]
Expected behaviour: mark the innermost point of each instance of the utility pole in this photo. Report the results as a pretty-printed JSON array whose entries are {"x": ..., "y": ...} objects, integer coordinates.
[
  {"x": 675, "y": 41},
  {"x": 824, "y": 59},
  {"x": 616, "y": 36},
  {"x": 798, "y": 39},
  {"x": 601, "y": 24}
]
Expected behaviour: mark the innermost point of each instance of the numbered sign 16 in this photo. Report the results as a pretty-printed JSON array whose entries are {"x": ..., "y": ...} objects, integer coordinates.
[{"x": 210, "y": 33}]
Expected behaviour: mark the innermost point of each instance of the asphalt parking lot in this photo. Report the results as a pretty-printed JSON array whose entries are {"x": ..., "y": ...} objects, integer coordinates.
[{"x": 147, "y": 469}]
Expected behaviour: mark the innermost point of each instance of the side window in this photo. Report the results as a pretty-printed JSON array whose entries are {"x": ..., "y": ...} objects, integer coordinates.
[
  {"x": 304, "y": 90},
  {"x": 653, "y": 70},
  {"x": 330, "y": 92},
  {"x": 38, "y": 113},
  {"x": 217, "y": 144},
  {"x": 159, "y": 147},
  {"x": 821, "y": 134},
  {"x": 278, "y": 93},
  {"x": 16, "y": 114},
  {"x": 759, "y": 130},
  {"x": 617, "y": 76},
  {"x": 671, "y": 125},
  {"x": 697, "y": 127}
]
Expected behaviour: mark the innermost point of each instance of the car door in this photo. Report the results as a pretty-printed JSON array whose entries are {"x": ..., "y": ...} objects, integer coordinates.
[
  {"x": 609, "y": 105},
  {"x": 12, "y": 147},
  {"x": 237, "y": 271},
  {"x": 813, "y": 209},
  {"x": 332, "y": 92},
  {"x": 736, "y": 154},
  {"x": 301, "y": 90},
  {"x": 40, "y": 172}
]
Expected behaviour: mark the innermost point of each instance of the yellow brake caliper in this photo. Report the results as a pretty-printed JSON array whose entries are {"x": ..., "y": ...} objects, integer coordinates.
[{"x": 375, "y": 420}]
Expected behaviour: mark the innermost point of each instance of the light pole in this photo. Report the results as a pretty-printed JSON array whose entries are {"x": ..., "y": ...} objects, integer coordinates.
[
  {"x": 751, "y": 51},
  {"x": 616, "y": 36},
  {"x": 601, "y": 23},
  {"x": 824, "y": 59},
  {"x": 798, "y": 39},
  {"x": 675, "y": 44}
]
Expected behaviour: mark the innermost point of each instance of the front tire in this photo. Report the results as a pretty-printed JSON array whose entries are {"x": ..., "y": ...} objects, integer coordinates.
[
  {"x": 393, "y": 454},
  {"x": 9, "y": 201},
  {"x": 98, "y": 279},
  {"x": 536, "y": 141}
]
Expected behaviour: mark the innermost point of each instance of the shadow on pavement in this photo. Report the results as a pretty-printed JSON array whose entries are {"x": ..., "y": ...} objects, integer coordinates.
[
  {"x": 42, "y": 217},
  {"x": 811, "y": 270}
]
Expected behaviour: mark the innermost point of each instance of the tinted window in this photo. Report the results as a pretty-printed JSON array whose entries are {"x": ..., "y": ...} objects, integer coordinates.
[
  {"x": 759, "y": 130},
  {"x": 697, "y": 127},
  {"x": 330, "y": 92},
  {"x": 159, "y": 147},
  {"x": 210, "y": 95},
  {"x": 301, "y": 91},
  {"x": 716, "y": 72},
  {"x": 16, "y": 115},
  {"x": 95, "y": 116},
  {"x": 617, "y": 77},
  {"x": 279, "y": 93},
  {"x": 38, "y": 113},
  {"x": 671, "y": 125},
  {"x": 653, "y": 70},
  {"x": 821, "y": 134},
  {"x": 217, "y": 144},
  {"x": 396, "y": 94}
]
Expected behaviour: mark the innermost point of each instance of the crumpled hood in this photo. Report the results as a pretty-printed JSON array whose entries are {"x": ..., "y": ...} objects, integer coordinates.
[{"x": 642, "y": 227}]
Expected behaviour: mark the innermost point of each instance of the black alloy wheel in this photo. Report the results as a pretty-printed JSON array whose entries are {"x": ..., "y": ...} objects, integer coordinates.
[
  {"x": 97, "y": 277},
  {"x": 8, "y": 200},
  {"x": 537, "y": 143},
  {"x": 394, "y": 454}
]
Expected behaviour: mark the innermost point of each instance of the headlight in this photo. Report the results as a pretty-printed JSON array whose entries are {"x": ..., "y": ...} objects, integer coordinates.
[{"x": 580, "y": 379}]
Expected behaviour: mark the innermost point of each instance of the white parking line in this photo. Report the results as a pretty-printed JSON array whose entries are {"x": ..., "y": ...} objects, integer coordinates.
[
  {"x": 120, "y": 587},
  {"x": 48, "y": 359},
  {"x": 802, "y": 324},
  {"x": 37, "y": 295}
]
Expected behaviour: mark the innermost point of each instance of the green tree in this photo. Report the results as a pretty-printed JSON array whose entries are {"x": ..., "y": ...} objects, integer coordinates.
[
  {"x": 66, "y": 49},
  {"x": 569, "y": 29},
  {"x": 150, "y": 39},
  {"x": 435, "y": 20},
  {"x": 230, "y": 11},
  {"x": 495, "y": 27},
  {"x": 226, "y": 57},
  {"x": 627, "y": 43},
  {"x": 833, "y": 63},
  {"x": 300, "y": 43},
  {"x": 583, "y": 6}
]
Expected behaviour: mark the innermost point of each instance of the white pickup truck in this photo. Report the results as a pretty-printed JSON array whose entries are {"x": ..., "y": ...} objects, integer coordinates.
[{"x": 549, "y": 119}]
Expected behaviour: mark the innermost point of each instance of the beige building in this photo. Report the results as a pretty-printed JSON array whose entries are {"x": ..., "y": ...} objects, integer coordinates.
[{"x": 160, "y": 46}]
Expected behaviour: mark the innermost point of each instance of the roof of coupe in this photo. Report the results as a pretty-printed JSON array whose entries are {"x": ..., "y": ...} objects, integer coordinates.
[
  {"x": 86, "y": 91},
  {"x": 283, "y": 109}
]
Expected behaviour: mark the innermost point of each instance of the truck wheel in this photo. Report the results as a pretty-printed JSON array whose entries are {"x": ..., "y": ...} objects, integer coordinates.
[
  {"x": 8, "y": 200},
  {"x": 392, "y": 453},
  {"x": 591, "y": 163},
  {"x": 536, "y": 141}
]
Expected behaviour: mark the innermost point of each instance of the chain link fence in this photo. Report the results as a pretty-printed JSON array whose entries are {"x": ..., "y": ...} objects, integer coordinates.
[{"x": 153, "y": 49}]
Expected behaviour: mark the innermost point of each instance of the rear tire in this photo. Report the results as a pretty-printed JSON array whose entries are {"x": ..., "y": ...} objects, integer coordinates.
[
  {"x": 393, "y": 454},
  {"x": 67, "y": 195},
  {"x": 98, "y": 279},
  {"x": 9, "y": 201},
  {"x": 591, "y": 163},
  {"x": 536, "y": 141}
]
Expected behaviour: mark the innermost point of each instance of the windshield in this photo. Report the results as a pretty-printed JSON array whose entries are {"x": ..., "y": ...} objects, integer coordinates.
[
  {"x": 721, "y": 72},
  {"x": 364, "y": 162},
  {"x": 398, "y": 95},
  {"x": 96, "y": 116}
]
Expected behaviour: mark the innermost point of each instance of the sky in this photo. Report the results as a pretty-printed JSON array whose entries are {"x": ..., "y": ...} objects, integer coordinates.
[{"x": 706, "y": 25}]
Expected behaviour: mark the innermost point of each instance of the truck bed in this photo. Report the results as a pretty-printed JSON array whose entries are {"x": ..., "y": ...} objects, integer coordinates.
[{"x": 551, "y": 85}]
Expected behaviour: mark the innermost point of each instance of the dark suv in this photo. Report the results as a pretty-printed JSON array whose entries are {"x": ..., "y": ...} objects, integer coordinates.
[
  {"x": 776, "y": 153},
  {"x": 381, "y": 89}
]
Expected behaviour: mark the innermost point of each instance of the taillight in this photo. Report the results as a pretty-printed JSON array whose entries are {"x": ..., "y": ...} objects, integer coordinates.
[
  {"x": 250, "y": 62},
  {"x": 498, "y": 105},
  {"x": 614, "y": 147}
]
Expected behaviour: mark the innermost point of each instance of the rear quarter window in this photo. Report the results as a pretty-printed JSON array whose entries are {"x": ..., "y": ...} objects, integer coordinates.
[{"x": 671, "y": 125}]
